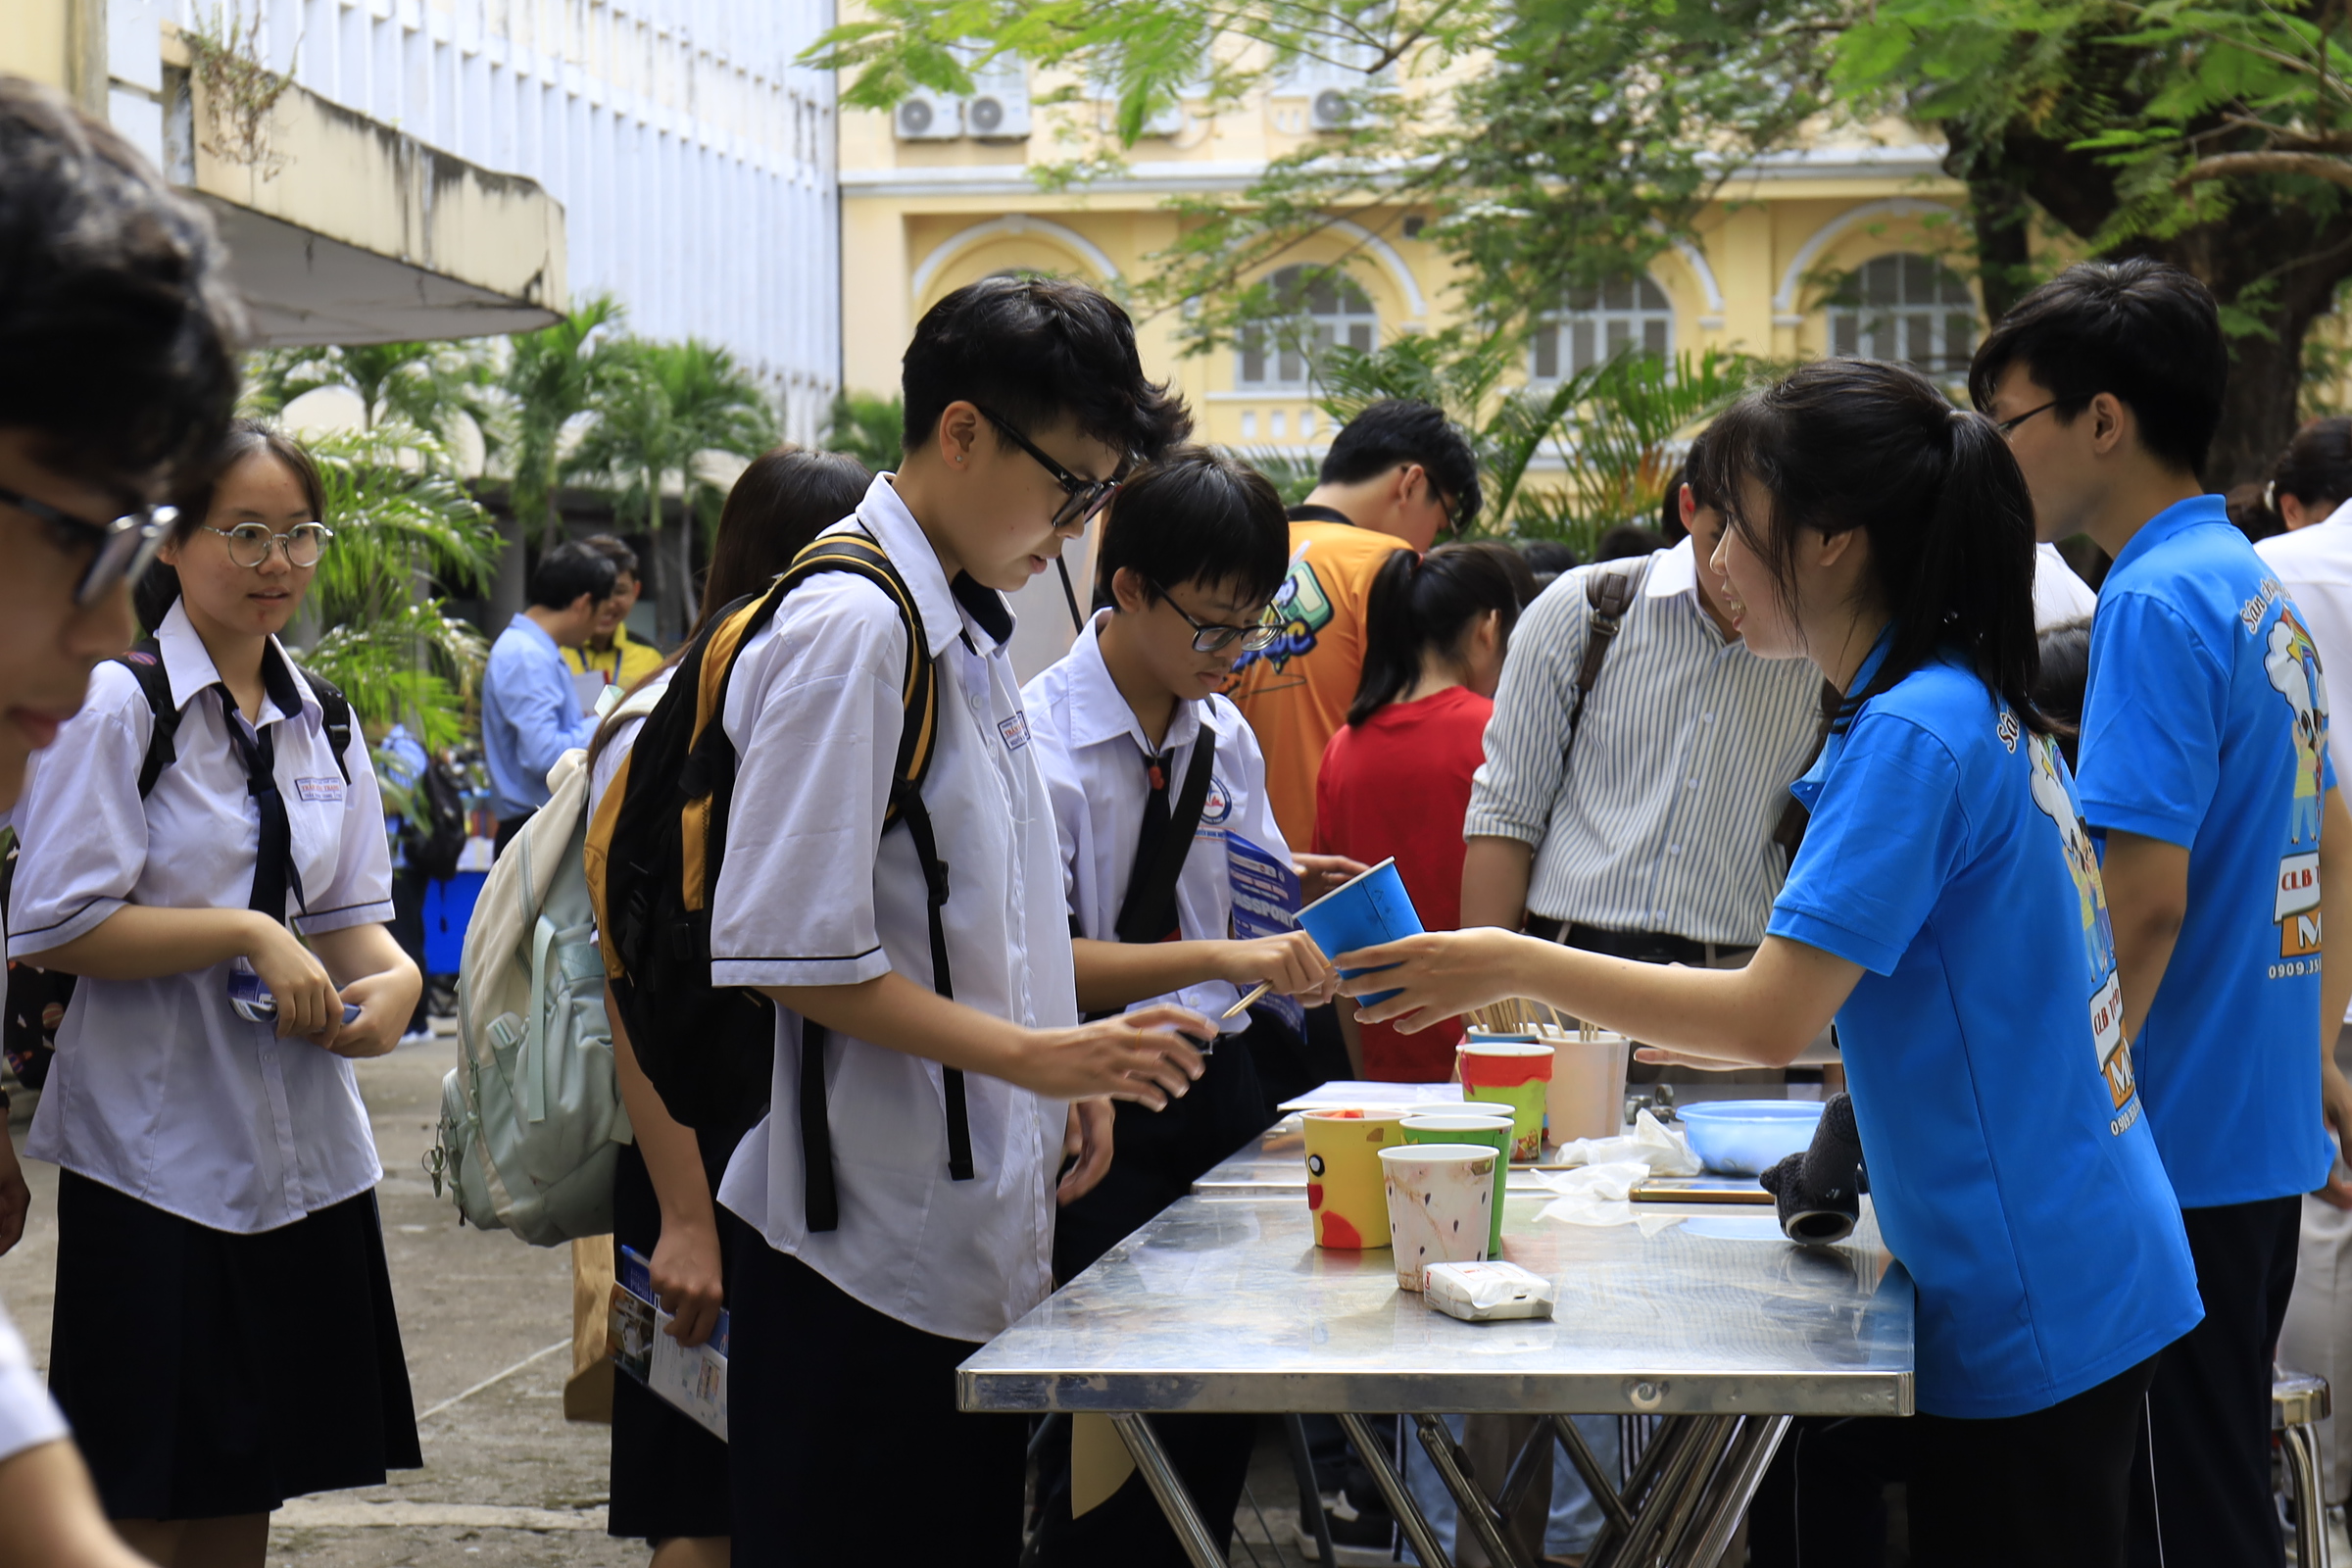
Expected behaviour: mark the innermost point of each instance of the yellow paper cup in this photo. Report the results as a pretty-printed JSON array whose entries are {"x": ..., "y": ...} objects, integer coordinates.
[
  {"x": 1440, "y": 1204},
  {"x": 1465, "y": 1124},
  {"x": 1344, "y": 1190},
  {"x": 1513, "y": 1073}
]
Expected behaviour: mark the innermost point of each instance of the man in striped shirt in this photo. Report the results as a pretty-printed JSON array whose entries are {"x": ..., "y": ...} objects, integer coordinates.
[{"x": 1655, "y": 839}]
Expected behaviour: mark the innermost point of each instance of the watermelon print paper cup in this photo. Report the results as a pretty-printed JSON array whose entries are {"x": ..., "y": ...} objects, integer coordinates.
[
  {"x": 1441, "y": 1205},
  {"x": 1344, "y": 1190},
  {"x": 1516, "y": 1075}
]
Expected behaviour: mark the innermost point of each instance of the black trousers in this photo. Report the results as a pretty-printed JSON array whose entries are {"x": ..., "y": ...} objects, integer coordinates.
[
  {"x": 842, "y": 1421},
  {"x": 408, "y": 930},
  {"x": 2050, "y": 1488},
  {"x": 2203, "y": 1478}
]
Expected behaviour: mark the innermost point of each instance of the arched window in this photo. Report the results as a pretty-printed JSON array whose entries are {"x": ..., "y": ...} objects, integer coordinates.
[
  {"x": 1316, "y": 313},
  {"x": 1907, "y": 308},
  {"x": 1595, "y": 324}
]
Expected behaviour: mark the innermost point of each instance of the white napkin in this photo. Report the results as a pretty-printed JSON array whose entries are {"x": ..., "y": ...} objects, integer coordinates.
[
  {"x": 1596, "y": 1195},
  {"x": 1661, "y": 1151}
]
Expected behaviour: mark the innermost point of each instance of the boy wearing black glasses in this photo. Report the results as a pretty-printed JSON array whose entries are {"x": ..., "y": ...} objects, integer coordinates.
[
  {"x": 1169, "y": 849},
  {"x": 949, "y": 1097},
  {"x": 118, "y": 366}
]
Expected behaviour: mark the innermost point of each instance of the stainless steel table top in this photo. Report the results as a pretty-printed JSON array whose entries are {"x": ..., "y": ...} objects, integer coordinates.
[
  {"x": 1277, "y": 1163},
  {"x": 1226, "y": 1304}
]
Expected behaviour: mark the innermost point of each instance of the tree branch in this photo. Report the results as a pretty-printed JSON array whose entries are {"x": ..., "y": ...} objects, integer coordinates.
[{"x": 2233, "y": 165}]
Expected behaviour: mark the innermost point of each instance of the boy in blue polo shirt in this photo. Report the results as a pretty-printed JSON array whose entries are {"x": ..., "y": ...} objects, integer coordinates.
[{"x": 2205, "y": 769}]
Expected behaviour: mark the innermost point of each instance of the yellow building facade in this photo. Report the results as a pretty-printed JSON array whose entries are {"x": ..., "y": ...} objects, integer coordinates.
[{"x": 942, "y": 192}]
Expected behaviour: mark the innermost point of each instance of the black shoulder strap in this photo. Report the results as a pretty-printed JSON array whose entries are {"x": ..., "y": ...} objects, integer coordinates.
[
  {"x": 334, "y": 716},
  {"x": 1610, "y": 594},
  {"x": 1149, "y": 908},
  {"x": 919, "y": 735},
  {"x": 145, "y": 662}
]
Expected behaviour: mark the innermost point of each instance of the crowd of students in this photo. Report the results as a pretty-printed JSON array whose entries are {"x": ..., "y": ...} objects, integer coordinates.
[{"x": 1006, "y": 984}]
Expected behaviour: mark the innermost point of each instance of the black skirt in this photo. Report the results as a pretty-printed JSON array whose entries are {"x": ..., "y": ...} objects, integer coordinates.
[
  {"x": 207, "y": 1373},
  {"x": 670, "y": 1476}
]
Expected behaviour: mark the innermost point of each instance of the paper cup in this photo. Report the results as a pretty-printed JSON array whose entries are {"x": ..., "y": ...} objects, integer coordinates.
[
  {"x": 1586, "y": 1097},
  {"x": 1441, "y": 1205},
  {"x": 1517, "y": 1074},
  {"x": 1343, "y": 1187},
  {"x": 1362, "y": 914},
  {"x": 1460, "y": 1124}
]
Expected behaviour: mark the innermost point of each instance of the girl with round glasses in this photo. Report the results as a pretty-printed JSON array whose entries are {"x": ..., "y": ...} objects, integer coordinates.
[{"x": 224, "y": 1333}]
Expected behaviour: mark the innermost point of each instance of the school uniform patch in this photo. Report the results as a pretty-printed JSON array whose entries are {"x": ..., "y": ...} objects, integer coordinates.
[
  {"x": 326, "y": 791},
  {"x": 1219, "y": 804},
  {"x": 1015, "y": 731}
]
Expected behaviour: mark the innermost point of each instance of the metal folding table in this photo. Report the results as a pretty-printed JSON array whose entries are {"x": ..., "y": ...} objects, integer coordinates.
[{"x": 1703, "y": 1316}]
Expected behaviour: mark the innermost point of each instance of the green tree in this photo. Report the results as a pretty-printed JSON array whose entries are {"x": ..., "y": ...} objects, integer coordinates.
[
  {"x": 552, "y": 377},
  {"x": 426, "y": 384},
  {"x": 402, "y": 523},
  {"x": 867, "y": 429},
  {"x": 659, "y": 406}
]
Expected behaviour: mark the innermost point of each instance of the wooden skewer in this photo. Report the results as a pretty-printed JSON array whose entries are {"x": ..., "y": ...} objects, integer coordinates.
[{"x": 1251, "y": 1000}]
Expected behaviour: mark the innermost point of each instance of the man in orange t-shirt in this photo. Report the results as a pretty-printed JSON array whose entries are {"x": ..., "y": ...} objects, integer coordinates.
[{"x": 1396, "y": 475}]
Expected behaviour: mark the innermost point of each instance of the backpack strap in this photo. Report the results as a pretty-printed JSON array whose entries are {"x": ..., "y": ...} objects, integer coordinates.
[
  {"x": 334, "y": 717},
  {"x": 1609, "y": 594},
  {"x": 145, "y": 662},
  {"x": 918, "y": 734}
]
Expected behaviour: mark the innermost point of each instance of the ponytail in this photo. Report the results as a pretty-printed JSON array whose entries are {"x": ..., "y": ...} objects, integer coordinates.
[
  {"x": 1421, "y": 604},
  {"x": 1847, "y": 444}
]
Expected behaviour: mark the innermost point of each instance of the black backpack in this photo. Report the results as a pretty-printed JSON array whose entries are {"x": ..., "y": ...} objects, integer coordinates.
[
  {"x": 653, "y": 857},
  {"x": 436, "y": 826},
  {"x": 36, "y": 998}
]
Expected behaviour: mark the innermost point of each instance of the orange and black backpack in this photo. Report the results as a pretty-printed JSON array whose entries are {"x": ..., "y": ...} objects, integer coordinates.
[{"x": 653, "y": 857}]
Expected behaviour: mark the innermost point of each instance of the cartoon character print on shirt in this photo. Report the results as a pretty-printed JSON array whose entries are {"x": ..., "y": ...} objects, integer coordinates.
[
  {"x": 2055, "y": 793},
  {"x": 2292, "y": 664},
  {"x": 1302, "y": 606}
]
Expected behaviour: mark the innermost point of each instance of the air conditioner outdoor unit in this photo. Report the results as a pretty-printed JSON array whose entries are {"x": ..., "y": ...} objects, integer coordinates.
[
  {"x": 996, "y": 116},
  {"x": 929, "y": 116},
  {"x": 1331, "y": 110}
]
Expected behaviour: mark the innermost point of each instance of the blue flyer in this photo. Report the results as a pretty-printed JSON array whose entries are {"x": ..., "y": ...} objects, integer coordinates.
[{"x": 1265, "y": 904}]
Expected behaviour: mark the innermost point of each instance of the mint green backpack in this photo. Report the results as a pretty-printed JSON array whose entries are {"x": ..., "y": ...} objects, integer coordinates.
[{"x": 531, "y": 1119}]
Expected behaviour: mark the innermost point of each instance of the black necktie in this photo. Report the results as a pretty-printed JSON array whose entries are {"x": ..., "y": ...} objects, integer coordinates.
[
  {"x": 273, "y": 855},
  {"x": 1156, "y": 829}
]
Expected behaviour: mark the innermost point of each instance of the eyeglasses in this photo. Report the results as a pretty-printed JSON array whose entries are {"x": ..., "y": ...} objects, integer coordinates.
[
  {"x": 1087, "y": 497},
  {"x": 120, "y": 549},
  {"x": 1209, "y": 637},
  {"x": 250, "y": 543},
  {"x": 2006, "y": 426}
]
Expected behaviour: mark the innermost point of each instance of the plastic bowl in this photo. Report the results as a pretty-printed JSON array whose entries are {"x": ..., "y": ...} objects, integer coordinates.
[{"x": 1746, "y": 1137}]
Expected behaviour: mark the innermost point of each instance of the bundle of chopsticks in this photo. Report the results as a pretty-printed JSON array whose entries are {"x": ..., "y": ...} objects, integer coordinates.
[{"x": 1515, "y": 1014}]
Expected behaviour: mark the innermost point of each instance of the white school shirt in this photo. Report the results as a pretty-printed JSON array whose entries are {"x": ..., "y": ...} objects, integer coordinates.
[
  {"x": 813, "y": 892},
  {"x": 159, "y": 1090},
  {"x": 2060, "y": 594},
  {"x": 1092, "y": 751},
  {"x": 29, "y": 1417},
  {"x": 2314, "y": 564}
]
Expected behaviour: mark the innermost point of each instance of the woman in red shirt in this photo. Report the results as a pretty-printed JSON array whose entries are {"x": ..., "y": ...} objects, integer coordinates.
[{"x": 1395, "y": 780}]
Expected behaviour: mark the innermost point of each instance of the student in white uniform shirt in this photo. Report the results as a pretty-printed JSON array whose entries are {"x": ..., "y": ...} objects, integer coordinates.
[
  {"x": 99, "y": 404},
  {"x": 216, "y": 1220},
  {"x": 1192, "y": 556},
  {"x": 1025, "y": 404}
]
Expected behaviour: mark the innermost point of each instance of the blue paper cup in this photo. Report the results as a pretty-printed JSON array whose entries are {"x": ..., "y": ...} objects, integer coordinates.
[{"x": 1362, "y": 914}]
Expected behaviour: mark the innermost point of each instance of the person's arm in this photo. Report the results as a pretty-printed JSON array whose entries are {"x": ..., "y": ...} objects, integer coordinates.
[
  {"x": 2147, "y": 898},
  {"x": 1086, "y": 1140},
  {"x": 16, "y": 1196},
  {"x": 1138, "y": 1056},
  {"x": 49, "y": 1513},
  {"x": 549, "y": 723},
  {"x": 139, "y": 943},
  {"x": 372, "y": 972},
  {"x": 689, "y": 1281},
  {"x": 2336, "y": 980},
  {"x": 1116, "y": 974},
  {"x": 1761, "y": 1015},
  {"x": 1494, "y": 876}
]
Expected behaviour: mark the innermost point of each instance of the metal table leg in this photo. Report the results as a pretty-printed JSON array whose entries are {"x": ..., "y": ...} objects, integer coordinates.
[
  {"x": 2301, "y": 1453},
  {"x": 1407, "y": 1513},
  {"x": 1736, "y": 1480},
  {"x": 1471, "y": 1505},
  {"x": 1168, "y": 1488}
]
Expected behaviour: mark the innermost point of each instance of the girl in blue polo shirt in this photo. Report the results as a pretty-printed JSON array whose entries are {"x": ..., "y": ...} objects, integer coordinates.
[{"x": 1945, "y": 908}]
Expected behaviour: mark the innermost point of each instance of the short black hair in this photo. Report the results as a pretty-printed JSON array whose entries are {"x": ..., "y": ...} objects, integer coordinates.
[
  {"x": 2064, "y": 676},
  {"x": 623, "y": 559},
  {"x": 2145, "y": 330},
  {"x": 119, "y": 328},
  {"x": 1397, "y": 430},
  {"x": 1548, "y": 559},
  {"x": 1198, "y": 515},
  {"x": 569, "y": 570},
  {"x": 1033, "y": 350},
  {"x": 1628, "y": 540}
]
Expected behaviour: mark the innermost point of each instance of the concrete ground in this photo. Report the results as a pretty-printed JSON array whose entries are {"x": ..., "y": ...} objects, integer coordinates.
[{"x": 506, "y": 1480}]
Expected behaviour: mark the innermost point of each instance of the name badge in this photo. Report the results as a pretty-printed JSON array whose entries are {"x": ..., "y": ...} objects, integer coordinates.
[
  {"x": 1015, "y": 731},
  {"x": 323, "y": 790}
]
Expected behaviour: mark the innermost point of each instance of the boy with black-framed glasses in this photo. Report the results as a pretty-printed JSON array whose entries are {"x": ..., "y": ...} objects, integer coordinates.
[{"x": 1168, "y": 847}]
